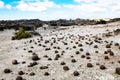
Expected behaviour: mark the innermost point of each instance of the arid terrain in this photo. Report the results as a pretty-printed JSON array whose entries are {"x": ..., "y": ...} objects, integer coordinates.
[{"x": 90, "y": 52}]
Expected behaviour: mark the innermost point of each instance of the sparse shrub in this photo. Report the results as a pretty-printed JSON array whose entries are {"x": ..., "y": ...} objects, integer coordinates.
[
  {"x": 1, "y": 29},
  {"x": 21, "y": 34},
  {"x": 117, "y": 70},
  {"x": 101, "y": 22},
  {"x": 117, "y": 31}
]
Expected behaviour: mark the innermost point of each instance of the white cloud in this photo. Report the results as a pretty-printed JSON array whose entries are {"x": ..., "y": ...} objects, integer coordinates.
[
  {"x": 95, "y": 5},
  {"x": 3, "y": 5},
  {"x": 35, "y": 5},
  {"x": 86, "y": 1},
  {"x": 86, "y": 8},
  {"x": 8, "y": 6}
]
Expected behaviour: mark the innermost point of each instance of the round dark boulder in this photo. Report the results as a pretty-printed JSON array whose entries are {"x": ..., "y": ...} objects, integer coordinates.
[
  {"x": 66, "y": 68},
  {"x": 20, "y": 72},
  {"x": 46, "y": 74},
  {"x": 102, "y": 67},
  {"x": 14, "y": 62},
  {"x": 35, "y": 57},
  {"x": 89, "y": 65},
  {"x": 7, "y": 71},
  {"x": 19, "y": 78},
  {"x": 76, "y": 73}
]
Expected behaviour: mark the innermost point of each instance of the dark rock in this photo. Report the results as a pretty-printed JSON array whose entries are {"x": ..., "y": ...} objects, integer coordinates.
[
  {"x": 73, "y": 60},
  {"x": 76, "y": 73},
  {"x": 57, "y": 56},
  {"x": 80, "y": 45},
  {"x": 88, "y": 57},
  {"x": 89, "y": 65},
  {"x": 7, "y": 71},
  {"x": 66, "y": 68},
  {"x": 44, "y": 67},
  {"x": 74, "y": 46},
  {"x": 95, "y": 46},
  {"x": 62, "y": 63},
  {"x": 45, "y": 56},
  {"x": 77, "y": 52},
  {"x": 19, "y": 78},
  {"x": 56, "y": 51},
  {"x": 81, "y": 49},
  {"x": 82, "y": 56},
  {"x": 47, "y": 49},
  {"x": 46, "y": 74},
  {"x": 105, "y": 52},
  {"x": 14, "y": 62},
  {"x": 32, "y": 74},
  {"x": 30, "y": 51},
  {"x": 23, "y": 62},
  {"x": 87, "y": 53},
  {"x": 35, "y": 57},
  {"x": 32, "y": 64},
  {"x": 116, "y": 44},
  {"x": 102, "y": 67},
  {"x": 106, "y": 57},
  {"x": 111, "y": 53},
  {"x": 50, "y": 59},
  {"x": 108, "y": 46},
  {"x": 20, "y": 72}
]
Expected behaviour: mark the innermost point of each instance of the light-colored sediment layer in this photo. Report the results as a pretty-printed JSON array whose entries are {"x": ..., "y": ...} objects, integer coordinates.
[{"x": 10, "y": 50}]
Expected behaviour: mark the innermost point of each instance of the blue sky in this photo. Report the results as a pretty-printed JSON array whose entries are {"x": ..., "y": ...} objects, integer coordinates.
[{"x": 56, "y": 9}]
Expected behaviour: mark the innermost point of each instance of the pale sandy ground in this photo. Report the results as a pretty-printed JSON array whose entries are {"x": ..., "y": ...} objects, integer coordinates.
[{"x": 10, "y": 50}]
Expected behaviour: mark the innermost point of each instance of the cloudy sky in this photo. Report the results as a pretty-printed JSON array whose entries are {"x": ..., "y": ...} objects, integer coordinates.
[{"x": 56, "y": 9}]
